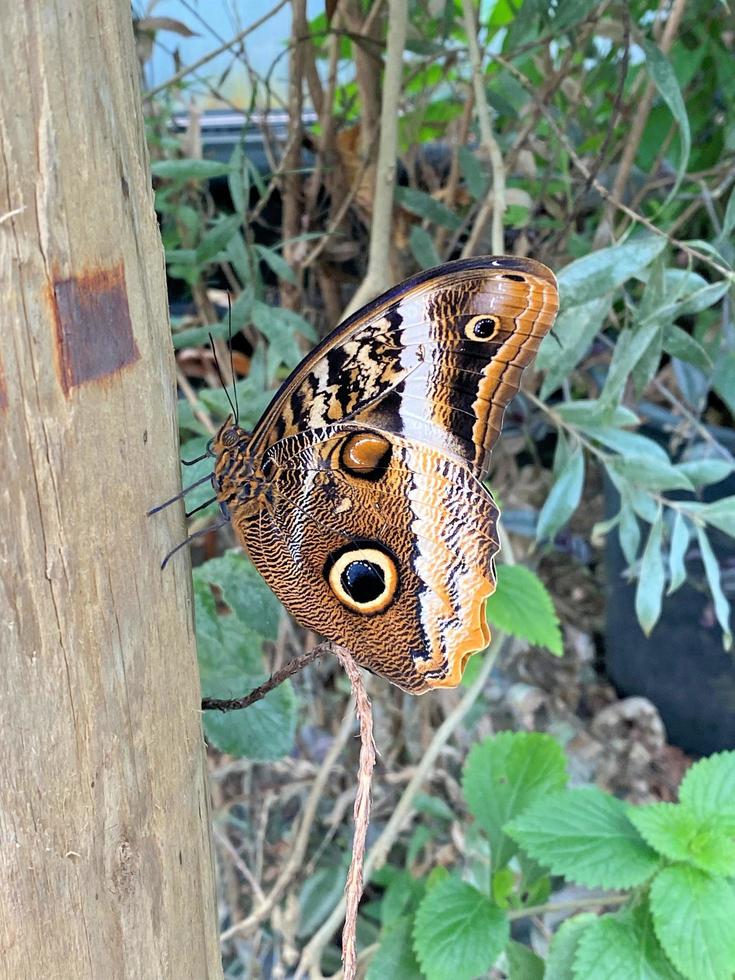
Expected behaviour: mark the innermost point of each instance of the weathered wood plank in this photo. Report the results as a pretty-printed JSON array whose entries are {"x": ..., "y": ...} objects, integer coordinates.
[{"x": 105, "y": 852}]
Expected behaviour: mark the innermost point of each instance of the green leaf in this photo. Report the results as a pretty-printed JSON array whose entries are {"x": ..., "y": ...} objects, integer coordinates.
[
  {"x": 395, "y": 957},
  {"x": 319, "y": 894},
  {"x": 458, "y": 932},
  {"x": 629, "y": 349},
  {"x": 427, "y": 207},
  {"x": 523, "y": 963},
  {"x": 645, "y": 368},
  {"x": 622, "y": 947},
  {"x": 712, "y": 571},
  {"x": 244, "y": 591},
  {"x": 694, "y": 914},
  {"x": 624, "y": 442},
  {"x": 585, "y": 412},
  {"x": 563, "y": 498},
  {"x": 522, "y": 607},
  {"x": 276, "y": 263},
  {"x": 574, "y": 331},
  {"x": 217, "y": 237},
  {"x": 231, "y": 665},
  {"x": 723, "y": 380},
  {"x": 585, "y": 835},
  {"x": 189, "y": 169},
  {"x": 629, "y": 532},
  {"x": 721, "y": 514},
  {"x": 678, "y": 833},
  {"x": 663, "y": 77},
  {"x": 401, "y": 897},
  {"x": 703, "y": 472},
  {"x": 564, "y": 946},
  {"x": 677, "y": 553},
  {"x": 679, "y": 343},
  {"x": 651, "y": 580},
  {"x": 708, "y": 788},
  {"x": 503, "y": 775},
  {"x": 650, "y": 472},
  {"x": 423, "y": 248},
  {"x": 603, "y": 271},
  {"x": 473, "y": 173}
]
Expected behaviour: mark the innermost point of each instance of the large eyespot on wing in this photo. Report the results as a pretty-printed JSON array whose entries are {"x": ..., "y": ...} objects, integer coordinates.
[{"x": 364, "y": 577}]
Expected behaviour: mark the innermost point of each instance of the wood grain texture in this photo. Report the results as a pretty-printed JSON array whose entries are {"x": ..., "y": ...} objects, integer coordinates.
[{"x": 105, "y": 852}]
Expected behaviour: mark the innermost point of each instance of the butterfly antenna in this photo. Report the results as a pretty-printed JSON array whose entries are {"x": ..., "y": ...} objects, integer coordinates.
[
  {"x": 221, "y": 377},
  {"x": 207, "y": 452},
  {"x": 167, "y": 503},
  {"x": 232, "y": 359},
  {"x": 196, "y": 534}
]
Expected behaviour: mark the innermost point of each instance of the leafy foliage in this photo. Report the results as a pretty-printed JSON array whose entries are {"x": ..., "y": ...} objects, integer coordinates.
[{"x": 522, "y": 607}]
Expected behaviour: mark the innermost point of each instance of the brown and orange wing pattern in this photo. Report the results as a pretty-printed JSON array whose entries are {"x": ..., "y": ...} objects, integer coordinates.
[
  {"x": 359, "y": 494},
  {"x": 436, "y": 359},
  {"x": 381, "y": 544}
]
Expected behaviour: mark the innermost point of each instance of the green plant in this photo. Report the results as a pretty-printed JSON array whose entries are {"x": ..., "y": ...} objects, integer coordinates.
[{"x": 671, "y": 868}]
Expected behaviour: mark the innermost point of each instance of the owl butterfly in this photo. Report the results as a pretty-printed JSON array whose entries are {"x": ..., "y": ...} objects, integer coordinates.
[{"x": 359, "y": 494}]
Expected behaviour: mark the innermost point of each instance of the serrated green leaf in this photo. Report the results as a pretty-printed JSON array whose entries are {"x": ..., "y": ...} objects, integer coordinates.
[
  {"x": 693, "y": 914},
  {"x": 651, "y": 580},
  {"x": 458, "y": 932},
  {"x": 585, "y": 835},
  {"x": 244, "y": 591},
  {"x": 523, "y": 963},
  {"x": 622, "y": 947},
  {"x": 708, "y": 788},
  {"x": 679, "y": 343},
  {"x": 663, "y": 77},
  {"x": 189, "y": 169},
  {"x": 504, "y": 775},
  {"x": 522, "y": 607},
  {"x": 677, "y": 553},
  {"x": 395, "y": 957},
  {"x": 712, "y": 571},
  {"x": 563, "y": 498},
  {"x": 423, "y": 248},
  {"x": 605, "y": 270},
  {"x": 231, "y": 665},
  {"x": 650, "y": 472},
  {"x": 678, "y": 833},
  {"x": 574, "y": 332},
  {"x": 425, "y": 206},
  {"x": 564, "y": 945},
  {"x": 401, "y": 897}
]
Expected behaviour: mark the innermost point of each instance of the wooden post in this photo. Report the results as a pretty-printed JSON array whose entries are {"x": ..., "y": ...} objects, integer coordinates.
[{"x": 105, "y": 854}]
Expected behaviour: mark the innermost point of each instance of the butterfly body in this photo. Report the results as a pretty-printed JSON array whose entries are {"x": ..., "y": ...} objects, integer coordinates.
[{"x": 359, "y": 495}]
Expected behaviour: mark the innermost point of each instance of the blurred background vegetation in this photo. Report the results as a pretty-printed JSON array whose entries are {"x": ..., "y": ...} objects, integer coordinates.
[{"x": 607, "y": 130}]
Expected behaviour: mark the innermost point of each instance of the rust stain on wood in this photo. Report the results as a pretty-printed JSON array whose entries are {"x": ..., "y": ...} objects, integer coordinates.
[
  {"x": 3, "y": 390},
  {"x": 94, "y": 334}
]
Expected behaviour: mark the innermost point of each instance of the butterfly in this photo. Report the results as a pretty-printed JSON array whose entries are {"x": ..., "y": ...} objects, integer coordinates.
[{"x": 359, "y": 494}]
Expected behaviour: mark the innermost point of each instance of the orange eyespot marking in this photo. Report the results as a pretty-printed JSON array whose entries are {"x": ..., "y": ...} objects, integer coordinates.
[
  {"x": 363, "y": 578},
  {"x": 482, "y": 328},
  {"x": 366, "y": 454}
]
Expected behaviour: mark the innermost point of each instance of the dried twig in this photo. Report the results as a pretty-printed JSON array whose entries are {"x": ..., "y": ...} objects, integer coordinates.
[
  {"x": 288, "y": 670},
  {"x": 361, "y": 812},
  {"x": 378, "y": 269},
  {"x": 494, "y": 202},
  {"x": 379, "y": 852}
]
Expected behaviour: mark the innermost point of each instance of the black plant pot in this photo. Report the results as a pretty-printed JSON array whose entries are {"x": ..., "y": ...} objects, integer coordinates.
[{"x": 682, "y": 666}]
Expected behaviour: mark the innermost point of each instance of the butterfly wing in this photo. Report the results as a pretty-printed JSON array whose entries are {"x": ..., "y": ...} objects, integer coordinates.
[
  {"x": 436, "y": 359},
  {"x": 380, "y": 544}
]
